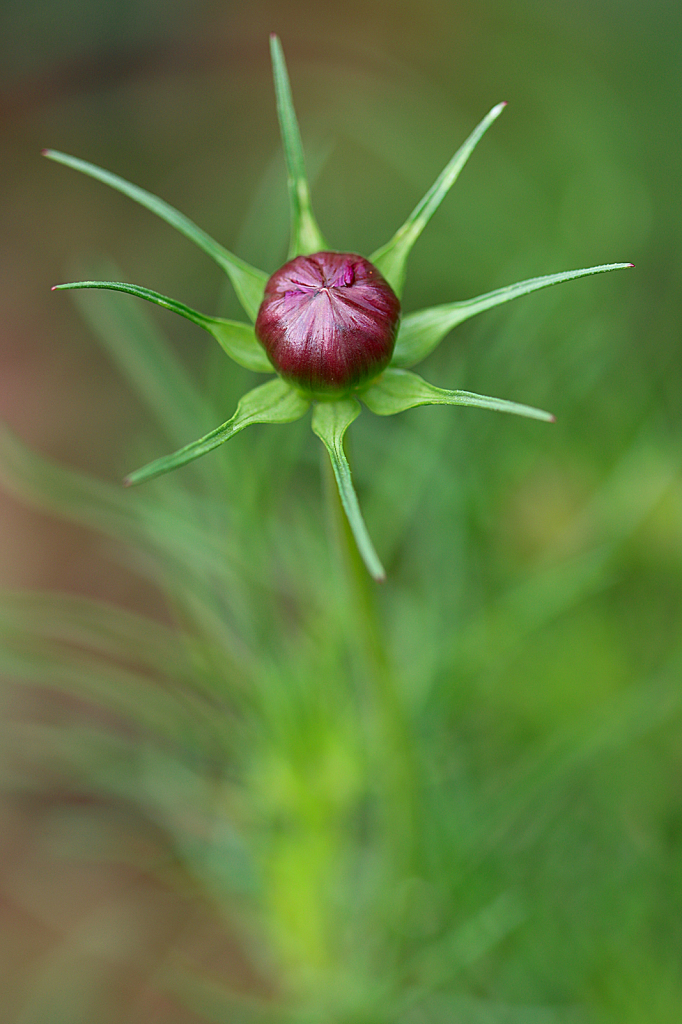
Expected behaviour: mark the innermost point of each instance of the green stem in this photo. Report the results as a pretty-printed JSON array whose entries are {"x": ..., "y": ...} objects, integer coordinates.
[{"x": 392, "y": 736}]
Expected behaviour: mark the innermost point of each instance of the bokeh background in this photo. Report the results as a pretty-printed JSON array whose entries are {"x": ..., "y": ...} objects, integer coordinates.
[{"x": 536, "y": 572}]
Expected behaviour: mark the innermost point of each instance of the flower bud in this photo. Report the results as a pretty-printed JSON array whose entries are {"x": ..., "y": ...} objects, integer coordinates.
[{"x": 328, "y": 322}]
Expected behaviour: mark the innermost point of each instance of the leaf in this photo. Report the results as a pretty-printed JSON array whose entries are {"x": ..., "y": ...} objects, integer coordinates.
[
  {"x": 398, "y": 390},
  {"x": 391, "y": 258},
  {"x": 306, "y": 236},
  {"x": 248, "y": 282},
  {"x": 422, "y": 331},
  {"x": 236, "y": 339},
  {"x": 330, "y": 422},
  {"x": 274, "y": 402}
]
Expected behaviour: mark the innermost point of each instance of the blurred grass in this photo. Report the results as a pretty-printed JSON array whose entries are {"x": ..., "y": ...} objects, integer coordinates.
[{"x": 534, "y": 599}]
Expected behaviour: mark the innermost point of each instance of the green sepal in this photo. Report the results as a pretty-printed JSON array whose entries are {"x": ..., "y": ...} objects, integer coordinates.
[
  {"x": 274, "y": 402},
  {"x": 330, "y": 422},
  {"x": 306, "y": 236},
  {"x": 236, "y": 339},
  {"x": 421, "y": 332},
  {"x": 248, "y": 282},
  {"x": 239, "y": 342},
  {"x": 398, "y": 390},
  {"x": 391, "y": 259}
]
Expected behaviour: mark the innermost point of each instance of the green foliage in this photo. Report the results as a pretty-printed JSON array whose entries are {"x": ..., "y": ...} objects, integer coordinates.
[
  {"x": 248, "y": 282},
  {"x": 330, "y": 422},
  {"x": 274, "y": 402},
  {"x": 306, "y": 236},
  {"x": 421, "y": 332},
  {"x": 279, "y": 402},
  {"x": 391, "y": 259},
  {"x": 237, "y": 340},
  {"x": 398, "y": 390}
]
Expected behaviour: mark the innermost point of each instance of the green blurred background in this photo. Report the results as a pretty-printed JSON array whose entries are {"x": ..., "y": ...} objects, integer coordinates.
[{"x": 535, "y": 572}]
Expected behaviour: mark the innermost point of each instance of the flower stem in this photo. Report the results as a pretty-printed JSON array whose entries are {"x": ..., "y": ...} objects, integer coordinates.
[{"x": 391, "y": 736}]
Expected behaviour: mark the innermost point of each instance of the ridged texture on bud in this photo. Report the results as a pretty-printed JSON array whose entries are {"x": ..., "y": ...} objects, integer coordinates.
[{"x": 328, "y": 322}]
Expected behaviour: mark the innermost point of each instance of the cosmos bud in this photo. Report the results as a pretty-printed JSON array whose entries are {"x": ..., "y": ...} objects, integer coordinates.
[{"x": 328, "y": 322}]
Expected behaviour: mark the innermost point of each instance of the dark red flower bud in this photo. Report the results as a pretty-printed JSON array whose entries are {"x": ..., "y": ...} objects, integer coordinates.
[{"x": 328, "y": 322}]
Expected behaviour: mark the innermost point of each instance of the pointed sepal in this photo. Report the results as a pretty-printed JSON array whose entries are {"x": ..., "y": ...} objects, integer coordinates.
[
  {"x": 236, "y": 339},
  {"x": 306, "y": 236},
  {"x": 398, "y": 390},
  {"x": 274, "y": 402},
  {"x": 330, "y": 422},
  {"x": 421, "y": 332},
  {"x": 391, "y": 259},
  {"x": 248, "y": 282}
]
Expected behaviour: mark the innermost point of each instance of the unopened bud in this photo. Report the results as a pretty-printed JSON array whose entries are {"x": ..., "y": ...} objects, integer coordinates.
[{"x": 328, "y": 322}]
